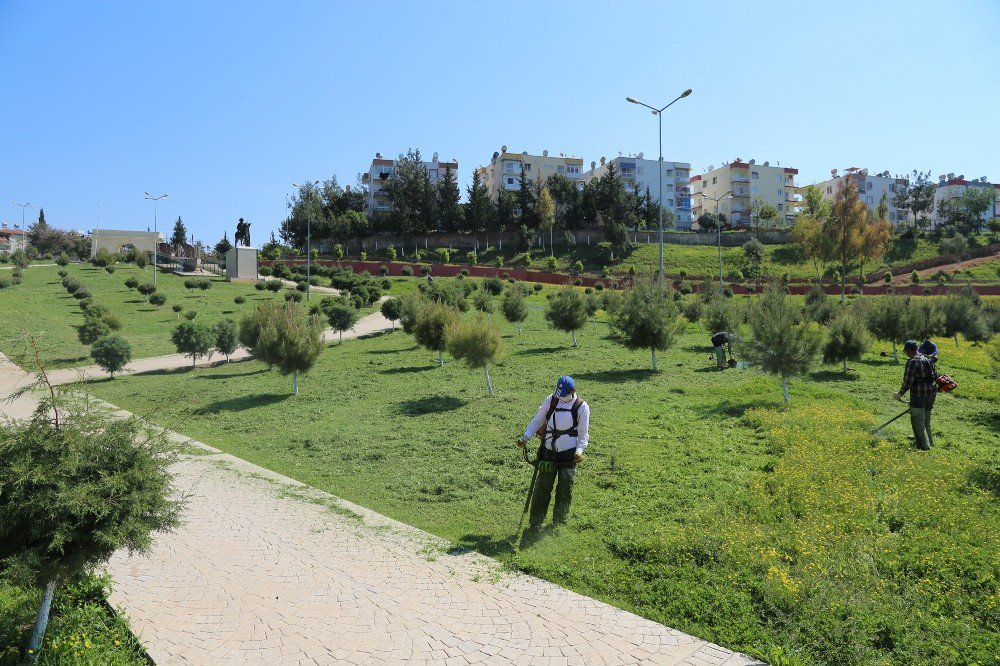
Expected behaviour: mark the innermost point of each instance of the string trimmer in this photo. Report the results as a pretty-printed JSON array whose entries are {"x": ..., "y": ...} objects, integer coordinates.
[{"x": 898, "y": 416}]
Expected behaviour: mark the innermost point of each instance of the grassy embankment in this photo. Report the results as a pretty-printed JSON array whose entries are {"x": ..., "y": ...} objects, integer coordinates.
[{"x": 705, "y": 504}]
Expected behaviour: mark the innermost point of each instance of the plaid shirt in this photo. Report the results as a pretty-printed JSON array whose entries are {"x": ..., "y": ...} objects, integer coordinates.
[{"x": 914, "y": 379}]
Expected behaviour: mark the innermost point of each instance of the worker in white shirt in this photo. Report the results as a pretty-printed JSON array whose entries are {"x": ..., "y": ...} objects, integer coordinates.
[{"x": 563, "y": 424}]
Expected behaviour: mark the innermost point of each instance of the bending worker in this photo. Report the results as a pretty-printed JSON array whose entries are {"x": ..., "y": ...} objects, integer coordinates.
[
  {"x": 563, "y": 424},
  {"x": 919, "y": 378},
  {"x": 719, "y": 342}
]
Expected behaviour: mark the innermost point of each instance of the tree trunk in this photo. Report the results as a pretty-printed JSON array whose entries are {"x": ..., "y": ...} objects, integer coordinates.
[
  {"x": 41, "y": 622},
  {"x": 574, "y": 339},
  {"x": 843, "y": 283},
  {"x": 295, "y": 382},
  {"x": 519, "y": 328},
  {"x": 956, "y": 341},
  {"x": 440, "y": 358},
  {"x": 341, "y": 338},
  {"x": 784, "y": 388},
  {"x": 489, "y": 384},
  {"x": 653, "y": 352},
  {"x": 895, "y": 356},
  {"x": 393, "y": 323},
  {"x": 845, "y": 366},
  {"x": 194, "y": 361}
]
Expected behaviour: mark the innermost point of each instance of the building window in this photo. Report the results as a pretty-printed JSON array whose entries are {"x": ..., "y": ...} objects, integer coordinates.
[
  {"x": 670, "y": 173},
  {"x": 829, "y": 190},
  {"x": 781, "y": 193},
  {"x": 754, "y": 175},
  {"x": 869, "y": 201},
  {"x": 527, "y": 166},
  {"x": 713, "y": 180},
  {"x": 868, "y": 185},
  {"x": 781, "y": 206},
  {"x": 572, "y": 169},
  {"x": 639, "y": 170},
  {"x": 777, "y": 177},
  {"x": 753, "y": 190},
  {"x": 559, "y": 169},
  {"x": 510, "y": 181}
]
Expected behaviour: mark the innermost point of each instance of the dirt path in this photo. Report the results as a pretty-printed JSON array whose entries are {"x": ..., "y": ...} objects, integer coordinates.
[{"x": 947, "y": 268}]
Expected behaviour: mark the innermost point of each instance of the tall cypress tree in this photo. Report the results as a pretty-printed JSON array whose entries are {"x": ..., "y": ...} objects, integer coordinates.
[
  {"x": 526, "y": 201},
  {"x": 479, "y": 209},
  {"x": 449, "y": 208}
]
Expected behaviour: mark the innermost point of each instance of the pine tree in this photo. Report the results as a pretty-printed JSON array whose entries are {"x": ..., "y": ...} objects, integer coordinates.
[
  {"x": 223, "y": 246},
  {"x": 449, "y": 209},
  {"x": 546, "y": 214},
  {"x": 479, "y": 210},
  {"x": 847, "y": 339},
  {"x": 477, "y": 343},
  {"x": 431, "y": 325},
  {"x": 648, "y": 319},
  {"x": 514, "y": 307},
  {"x": 567, "y": 311},
  {"x": 179, "y": 236},
  {"x": 526, "y": 201}
]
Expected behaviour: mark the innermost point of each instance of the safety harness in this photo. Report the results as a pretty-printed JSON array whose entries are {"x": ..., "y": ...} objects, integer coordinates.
[{"x": 555, "y": 433}]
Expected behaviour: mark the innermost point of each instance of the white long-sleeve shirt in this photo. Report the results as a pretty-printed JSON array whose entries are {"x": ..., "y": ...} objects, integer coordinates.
[{"x": 562, "y": 420}]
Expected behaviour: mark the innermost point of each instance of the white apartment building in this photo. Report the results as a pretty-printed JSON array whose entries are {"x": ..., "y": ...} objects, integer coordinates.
[
  {"x": 743, "y": 182},
  {"x": 870, "y": 189},
  {"x": 951, "y": 186},
  {"x": 11, "y": 239},
  {"x": 380, "y": 171},
  {"x": 504, "y": 170},
  {"x": 638, "y": 171}
]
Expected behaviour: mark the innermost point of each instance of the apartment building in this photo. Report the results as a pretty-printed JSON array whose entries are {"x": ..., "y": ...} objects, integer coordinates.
[
  {"x": 381, "y": 169},
  {"x": 744, "y": 182},
  {"x": 950, "y": 186},
  {"x": 504, "y": 170},
  {"x": 11, "y": 239},
  {"x": 870, "y": 189},
  {"x": 636, "y": 171}
]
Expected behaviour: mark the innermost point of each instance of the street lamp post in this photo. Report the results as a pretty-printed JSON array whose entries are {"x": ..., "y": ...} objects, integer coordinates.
[
  {"x": 23, "y": 206},
  {"x": 310, "y": 185},
  {"x": 658, "y": 112},
  {"x": 156, "y": 238},
  {"x": 718, "y": 226}
]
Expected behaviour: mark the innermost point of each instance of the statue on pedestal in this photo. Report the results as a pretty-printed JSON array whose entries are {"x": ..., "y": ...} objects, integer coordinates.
[{"x": 242, "y": 234}]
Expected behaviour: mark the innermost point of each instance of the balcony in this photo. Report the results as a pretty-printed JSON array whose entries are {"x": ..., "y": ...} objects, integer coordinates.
[{"x": 739, "y": 179}]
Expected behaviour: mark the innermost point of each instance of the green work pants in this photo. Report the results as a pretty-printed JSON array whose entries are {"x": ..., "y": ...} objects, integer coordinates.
[
  {"x": 720, "y": 357},
  {"x": 920, "y": 421},
  {"x": 542, "y": 494}
]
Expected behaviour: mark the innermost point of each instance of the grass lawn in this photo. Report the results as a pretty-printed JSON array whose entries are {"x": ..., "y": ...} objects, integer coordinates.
[
  {"x": 704, "y": 503},
  {"x": 40, "y": 306}
]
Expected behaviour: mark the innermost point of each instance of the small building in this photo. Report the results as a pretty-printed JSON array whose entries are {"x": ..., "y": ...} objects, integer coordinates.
[
  {"x": 638, "y": 172},
  {"x": 870, "y": 189},
  {"x": 504, "y": 170},
  {"x": 951, "y": 186},
  {"x": 745, "y": 181},
  {"x": 120, "y": 241},
  {"x": 380, "y": 171},
  {"x": 12, "y": 240}
]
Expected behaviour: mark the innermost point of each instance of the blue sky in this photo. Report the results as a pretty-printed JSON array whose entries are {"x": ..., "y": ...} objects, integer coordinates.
[{"x": 224, "y": 105}]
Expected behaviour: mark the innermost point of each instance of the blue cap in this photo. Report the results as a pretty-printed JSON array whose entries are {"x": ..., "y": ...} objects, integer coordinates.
[
  {"x": 928, "y": 348},
  {"x": 910, "y": 345},
  {"x": 565, "y": 386}
]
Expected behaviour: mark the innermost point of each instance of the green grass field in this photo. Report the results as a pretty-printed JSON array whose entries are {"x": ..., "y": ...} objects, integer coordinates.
[
  {"x": 40, "y": 306},
  {"x": 704, "y": 503}
]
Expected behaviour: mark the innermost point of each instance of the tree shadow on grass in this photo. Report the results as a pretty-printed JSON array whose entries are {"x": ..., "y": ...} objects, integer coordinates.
[
  {"x": 242, "y": 403},
  {"x": 735, "y": 409},
  {"x": 618, "y": 376},
  {"x": 540, "y": 350},
  {"x": 55, "y": 362},
  {"x": 435, "y": 404},
  {"x": 392, "y": 351},
  {"x": 231, "y": 375},
  {"x": 834, "y": 376},
  {"x": 405, "y": 370}
]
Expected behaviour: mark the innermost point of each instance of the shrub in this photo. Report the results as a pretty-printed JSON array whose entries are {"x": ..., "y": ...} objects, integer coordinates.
[
  {"x": 157, "y": 299},
  {"x": 111, "y": 353},
  {"x": 274, "y": 285},
  {"x": 265, "y": 271},
  {"x": 146, "y": 289},
  {"x": 407, "y": 271},
  {"x": 177, "y": 308},
  {"x": 915, "y": 277},
  {"x": 91, "y": 330},
  {"x": 300, "y": 286},
  {"x": 493, "y": 285},
  {"x": 85, "y": 303},
  {"x": 390, "y": 253},
  {"x": 887, "y": 277},
  {"x": 685, "y": 287},
  {"x": 471, "y": 257},
  {"x": 443, "y": 254},
  {"x": 62, "y": 259},
  {"x": 430, "y": 328},
  {"x": 190, "y": 283},
  {"x": 5, "y": 283},
  {"x": 240, "y": 300},
  {"x": 260, "y": 285},
  {"x": 551, "y": 263},
  {"x": 577, "y": 282},
  {"x": 131, "y": 283},
  {"x": 280, "y": 270},
  {"x": 483, "y": 301},
  {"x": 498, "y": 261},
  {"x": 190, "y": 315},
  {"x": 599, "y": 286},
  {"x": 81, "y": 293},
  {"x": 514, "y": 307},
  {"x": 294, "y": 296},
  {"x": 141, "y": 261},
  {"x": 577, "y": 266},
  {"x": 71, "y": 284},
  {"x": 522, "y": 259},
  {"x": 538, "y": 286},
  {"x": 204, "y": 284},
  {"x": 383, "y": 270},
  {"x": 425, "y": 269}
]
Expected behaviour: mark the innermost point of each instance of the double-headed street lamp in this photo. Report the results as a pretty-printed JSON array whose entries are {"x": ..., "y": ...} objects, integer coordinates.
[
  {"x": 23, "y": 206},
  {"x": 310, "y": 185},
  {"x": 156, "y": 239},
  {"x": 658, "y": 112},
  {"x": 718, "y": 226}
]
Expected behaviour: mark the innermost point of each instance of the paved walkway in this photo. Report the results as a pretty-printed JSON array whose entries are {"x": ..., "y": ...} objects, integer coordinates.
[{"x": 265, "y": 570}]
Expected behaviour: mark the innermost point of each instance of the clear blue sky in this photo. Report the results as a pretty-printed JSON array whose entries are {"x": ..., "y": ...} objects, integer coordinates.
[{"x": 224, "y": 105}]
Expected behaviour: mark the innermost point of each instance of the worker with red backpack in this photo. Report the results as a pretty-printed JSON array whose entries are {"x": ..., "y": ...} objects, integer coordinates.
[{"x": 563, "y": 425}]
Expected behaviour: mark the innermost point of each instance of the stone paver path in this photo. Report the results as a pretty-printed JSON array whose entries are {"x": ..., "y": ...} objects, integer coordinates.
[{"x": 265, "y": 570}]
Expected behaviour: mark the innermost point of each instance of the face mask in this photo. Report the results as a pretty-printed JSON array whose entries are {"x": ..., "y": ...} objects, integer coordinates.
[{"x": 568, "y": 398}]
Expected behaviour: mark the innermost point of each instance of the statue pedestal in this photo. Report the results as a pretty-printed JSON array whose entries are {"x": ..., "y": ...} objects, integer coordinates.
[{"x": 241, "y": 264}]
